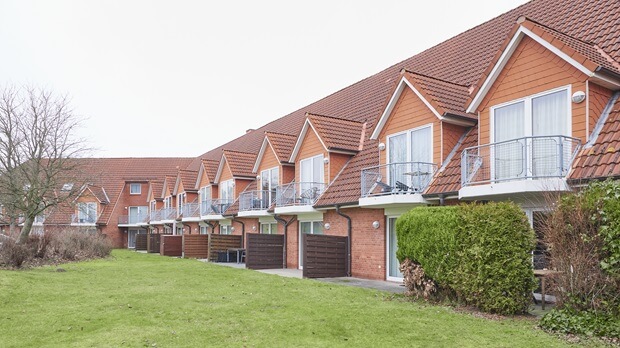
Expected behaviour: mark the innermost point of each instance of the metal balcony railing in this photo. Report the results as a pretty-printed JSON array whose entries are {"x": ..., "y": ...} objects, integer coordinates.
[
  {"x": 215, "y": 206},
  {"x": 83, "y": 219},
  {"x": 256, "y": 200},
  {"x": 397, "y": 178},
  {"x": 155, "y": 215},
  {"x": 299, "y": 193},
  {"x": 532, "y": 157},
  {"x": 132, "y": 219},
  {"x": 168, "y": 213},
  {"x": 190, "y": 210}
]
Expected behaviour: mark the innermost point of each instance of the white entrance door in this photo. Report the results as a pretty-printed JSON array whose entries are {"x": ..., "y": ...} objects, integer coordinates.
[
  {"x": 131, "y": 239},
  {"x": 307, "y": 227},
  {"x": 392, "y": 267}
]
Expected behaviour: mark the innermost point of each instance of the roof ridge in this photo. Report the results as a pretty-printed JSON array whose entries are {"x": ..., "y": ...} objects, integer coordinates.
[
  {"x": 554, "y": 30},
  {"x": 434, "y": 78},
  {"x": 333, "y": 117}
]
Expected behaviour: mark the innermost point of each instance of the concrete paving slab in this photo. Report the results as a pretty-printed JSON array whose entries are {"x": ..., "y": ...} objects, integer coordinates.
[{"x": 394, "y": 287}]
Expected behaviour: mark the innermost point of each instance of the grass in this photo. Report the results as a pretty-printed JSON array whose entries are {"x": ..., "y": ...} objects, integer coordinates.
[{"x": 136, "y": 300}]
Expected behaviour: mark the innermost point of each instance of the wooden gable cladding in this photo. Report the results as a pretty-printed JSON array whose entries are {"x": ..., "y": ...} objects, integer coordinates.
[
  {"x": 450, "y": 135},
  {"x": 268, "y": 161},
  {"x": 226, "y": 173},
  {"x": 533, "y": 69},
  {"x": 410, "y": 112},
  {"x": 310, "y": 146},
  {"x": 598, "y": 97}
]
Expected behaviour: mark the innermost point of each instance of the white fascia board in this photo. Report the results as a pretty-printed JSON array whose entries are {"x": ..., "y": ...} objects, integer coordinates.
[
  {"x": 220, "y": 168},
  {"x": 301, "y": 137},
  {"x": 394, "y": 99},
  {"x": 261, "y": 153},
  {"x": 503, "y": 59}
]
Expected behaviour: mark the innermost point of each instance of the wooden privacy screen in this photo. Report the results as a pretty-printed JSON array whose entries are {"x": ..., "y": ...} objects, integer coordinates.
[
  {"x": 171, "y": 245},
  {"x": 221, "y": 243},
  {"x": 264, "y": 251},
  {"x": 195, "y": 246},
  {"x": 152, "y": 245},
  {"x": 141, "y": 241},
  {"x": 324, "y": 256}
]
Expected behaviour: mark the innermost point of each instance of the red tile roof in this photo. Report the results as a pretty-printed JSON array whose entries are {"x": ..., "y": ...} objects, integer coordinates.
[
  {"x": 156, "y": 187},
  {"x": 282, "y": 144},
  {"x": 601, "y": 159},
  {"x": 448, "y": 179},
  {"x": 240, "y": 163},
  {"x": 210, "y": 167},
  {"x": 99, "y": 193},
  {"x": 188, "y": 179},
  {"x": 445, "y": 97},
  {"x": 337, "y": 133}
]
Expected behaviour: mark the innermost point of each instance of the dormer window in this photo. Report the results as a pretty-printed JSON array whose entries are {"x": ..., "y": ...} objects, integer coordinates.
[
  {"x": 135, "y": 189},
  {"x": 87, "y": 212}
]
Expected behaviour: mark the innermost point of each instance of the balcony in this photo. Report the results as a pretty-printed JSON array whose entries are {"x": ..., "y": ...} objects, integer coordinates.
[
  {"x": 214, "y": 208},
  {"x": 132, "y": 220},
  {"x": 154, "y": 215},
  {"x": 190, "y": 212},
  {"x": 528, "y": 164},
  {"x": 298, "y": 197},
  {"x": 83, "y": 219},
  {"x": 256, "y": 203},
  {"x": 395, "y": 183},
  {"x": 167, "y": 215}
]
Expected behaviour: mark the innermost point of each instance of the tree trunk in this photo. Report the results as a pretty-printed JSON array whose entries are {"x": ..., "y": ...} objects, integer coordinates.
[{"x": 23, "y": 236}]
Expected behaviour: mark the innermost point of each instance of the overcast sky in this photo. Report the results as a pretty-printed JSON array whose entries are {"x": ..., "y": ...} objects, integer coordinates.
[{"x": 178, "y": 78}]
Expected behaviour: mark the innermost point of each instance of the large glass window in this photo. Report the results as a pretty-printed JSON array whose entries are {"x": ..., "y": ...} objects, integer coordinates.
[
  {"x": 393, "y": 264},
  {"x": 137, "y": 214},
  {"x": 269, "y": 181},
  {"x": 311, "y": 178},
  {"x": 135, "y": 189},
  {"x": 524, "y": 132},
  {"x": 409, "y": 159},
  {"x": 87, "y": 213},
  {"x": 227, "y": 190}
]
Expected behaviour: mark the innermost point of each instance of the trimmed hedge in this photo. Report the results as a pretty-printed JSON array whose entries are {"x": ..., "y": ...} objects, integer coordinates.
[{"x": 481, "y": 252}]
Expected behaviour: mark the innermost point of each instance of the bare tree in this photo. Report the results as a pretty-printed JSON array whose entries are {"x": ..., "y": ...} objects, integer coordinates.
[{"x": 39, "y": 148}]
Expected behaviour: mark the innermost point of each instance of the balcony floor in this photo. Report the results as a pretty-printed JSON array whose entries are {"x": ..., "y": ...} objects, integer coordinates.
[
  {"x": 392, "y": 199},
  {"x": 514, "y": 189}
]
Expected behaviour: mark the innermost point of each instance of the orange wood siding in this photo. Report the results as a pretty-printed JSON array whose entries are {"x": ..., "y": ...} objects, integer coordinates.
[
  {"x": 204, "y": 179},
  {"x": 310, "y": 146},
  {"x": 288, "y": 174},
  {"x": 240, "y": 186},
  {"x": 268, "y": 161},
  {"x": 530, "y": 70},
  {"x": 598, "y": 99},
  {"x": 181, "y": 188},
  {"x": 408, "y": 113},
  {"x": 88, "y": 197},
  {"x": 451, "y": 135},
  {"x": 336, "y": 162},
  {"x": 226, "y": 173}
]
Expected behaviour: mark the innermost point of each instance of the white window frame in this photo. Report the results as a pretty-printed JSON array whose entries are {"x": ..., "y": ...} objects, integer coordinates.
[
  {"x": 226, "y": 229},
  {"x": 180, "y": 202},
  {"x": 387, "y": 248},
  {"x": 224, "y": 186},
  {"x": 408, "y": 138},
  {"x": 528, "y": 117},
  {"x": 138, "y": 208},
  {"x": 85, "y": 208},
  {"x": 271, "y": 185},
  {"x": 168, "y": 202},
  {"x": 527, "y": 101},
  {"x": 269, "y": 228},
  {"x": 131, "y": 189},
  {"x": 311, "y": 222},
  {"x": 311, "y": 160}
]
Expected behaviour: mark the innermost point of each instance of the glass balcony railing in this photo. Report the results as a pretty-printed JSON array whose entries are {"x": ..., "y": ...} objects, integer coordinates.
[
  {"x": 215, "y": 206},
  {"x": 397, "y": 178},
  {"x": 533, "y": 157},
  {"x": 256, "y": 200},
  {"x": 299, "y": 193},
  {"x": 133, "y": 219}
]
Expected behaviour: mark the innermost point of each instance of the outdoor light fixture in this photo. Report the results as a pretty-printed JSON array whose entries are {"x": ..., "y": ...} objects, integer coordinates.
[
  {"x": 578, "y": 97},
  {"x": 327, "y": 225},
  {"x": 381, "y": 146},
  {"x": 375, "y": 224},
  {"x": 232, "y": 229},
  {"x": 258, "y": 177},
  {"x": 253, "y": 227},
  {"x": 325, "y": 160}
]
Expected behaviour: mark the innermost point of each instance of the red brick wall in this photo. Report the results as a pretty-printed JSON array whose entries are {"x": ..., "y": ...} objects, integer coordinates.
[{"x": 367, "y": 243}]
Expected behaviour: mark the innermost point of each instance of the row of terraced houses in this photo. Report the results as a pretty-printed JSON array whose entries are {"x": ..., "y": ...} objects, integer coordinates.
[{"x": 517, "y": 107}]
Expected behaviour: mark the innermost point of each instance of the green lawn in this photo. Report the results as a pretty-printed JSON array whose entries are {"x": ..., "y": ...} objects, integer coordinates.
[{"x": 137, "y": 300}]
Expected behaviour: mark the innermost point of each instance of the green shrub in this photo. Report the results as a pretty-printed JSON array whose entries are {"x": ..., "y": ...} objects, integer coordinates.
[
  {"x": 427, "y": 236},
  {"x": 590, "y": 323},
  {"x": 495, "y": 272},
  {"x": 481, "y": 252}
]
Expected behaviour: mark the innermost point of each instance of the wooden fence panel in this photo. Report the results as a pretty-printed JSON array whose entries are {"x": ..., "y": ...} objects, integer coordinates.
[
  {"x": 153, "y": 243},
  {"x": 264, "y": 251},
  {"x": 171, "y": 245},
  {"x": 324, "y": 256},
  {"x": 141, "y": 239},
  {"x": 195, "y": 246},
  {"x": 221, "y": 243}
]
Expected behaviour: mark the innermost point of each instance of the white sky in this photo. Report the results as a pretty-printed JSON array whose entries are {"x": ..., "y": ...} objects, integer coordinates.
[{"x": 178, "y": 78}]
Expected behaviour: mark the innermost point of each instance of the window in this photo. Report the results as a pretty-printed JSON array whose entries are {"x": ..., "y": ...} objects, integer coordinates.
[
  {"x": 525, "y": 134},
  {"x": 311, "y": 179},
  {"x": 179, "y": 231},
  {"x": 67, "y": 187},
  {"x": 137, "y": 214},
  {"x": 87, "y": 213},
  {"x": 205, "y": 193},
  {"x": 227, "y": 191},
  {"x": 204, "y": 229},
  {"x": 168, "y": 202},
  {"x": 269, "y": 181},
  {"x": 135, "y": 189},
  {"x": 269, "y": 228},
  {"x": 225, "y": 229},
  {"x": 180, "y": 202},
  {"x": 410, "y": 157}
]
